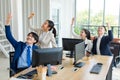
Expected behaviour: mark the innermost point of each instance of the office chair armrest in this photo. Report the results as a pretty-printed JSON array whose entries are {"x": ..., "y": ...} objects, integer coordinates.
[
  {"x": 117, "y": 57},
  {"x": 12, "y": 72}
]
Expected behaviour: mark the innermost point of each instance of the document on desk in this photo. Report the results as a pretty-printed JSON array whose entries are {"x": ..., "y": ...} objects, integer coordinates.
[{"x": 18, "y": 79}]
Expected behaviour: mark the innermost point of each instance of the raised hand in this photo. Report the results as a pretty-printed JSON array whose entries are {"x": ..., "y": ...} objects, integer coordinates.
[
  {"x": 8, "y": 19},
  {"x": 31, "y": 15},
  {"x": 108, "y": 25}
]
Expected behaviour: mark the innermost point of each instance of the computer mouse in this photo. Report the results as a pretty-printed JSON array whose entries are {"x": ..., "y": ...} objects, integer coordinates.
[
  {"x": 75, "y": 69},
  {"x": 61, "y": 67},
  {"x": 54, "y": 72},
  {"x": 99, "y": 64}
]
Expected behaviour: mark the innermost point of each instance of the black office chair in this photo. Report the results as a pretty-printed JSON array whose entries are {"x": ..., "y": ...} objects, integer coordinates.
[
  {"x": 11, "y": 72},
  {"x": 115, "y": 49},
  {"x": 117, "y": 60}
]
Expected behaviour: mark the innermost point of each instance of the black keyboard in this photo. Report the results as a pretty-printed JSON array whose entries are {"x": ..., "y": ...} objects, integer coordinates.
[
  {"x": 28, "y": 75},
  {"x": 79, "y": 65},
  {"x": 96, "y": 68}
]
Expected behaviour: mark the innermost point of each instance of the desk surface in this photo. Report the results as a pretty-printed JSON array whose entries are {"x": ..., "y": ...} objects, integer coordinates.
[{"x": 83, "y": 73}]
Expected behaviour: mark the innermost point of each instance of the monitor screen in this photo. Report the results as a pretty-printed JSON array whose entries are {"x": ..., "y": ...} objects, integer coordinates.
[
  {"x": 69, "y": 43},
  {"x": 46, "y": 56},
  {"x": 79, "y": 51}
]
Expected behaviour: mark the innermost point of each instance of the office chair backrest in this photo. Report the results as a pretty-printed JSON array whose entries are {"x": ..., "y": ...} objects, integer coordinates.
[
  {"x": 11, "y": 54},
  {"x": 115, "y": 49}
]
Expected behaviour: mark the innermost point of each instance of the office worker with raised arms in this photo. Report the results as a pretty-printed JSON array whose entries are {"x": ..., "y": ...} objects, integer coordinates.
[
  {"x": 46, "y": 33},
  {"x": 101, "y": 43},
  {"x": 85, "y": 35},
  {"x": 23, "y": 50}
]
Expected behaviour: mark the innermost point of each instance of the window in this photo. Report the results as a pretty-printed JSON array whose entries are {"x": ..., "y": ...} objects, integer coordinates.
[
  {"x": 82, "y": 7},
  {"x": 96, "y": 12},
  {"x": 92, "y": 13},
  {"x": 82, "y": 11},
  {"x": 55, "y": 17},
  {"x": 112, "y": 12},
  {"x": 112, "y": 15}
]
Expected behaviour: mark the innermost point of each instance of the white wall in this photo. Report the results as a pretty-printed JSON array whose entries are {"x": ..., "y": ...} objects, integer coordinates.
[
  {"x": 20, "y": 11},
  {"x": 13, "y": 7},
  {"x": 45, "y": 10},
  {"x": 66, "y": 14},
  {"x": 5, "y": 8},
  {"x": 42, "y": 9},
  {"x": 17, "y": 27}
]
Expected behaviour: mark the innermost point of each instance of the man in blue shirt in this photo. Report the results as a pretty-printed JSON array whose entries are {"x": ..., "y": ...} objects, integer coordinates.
[{"x": 23, "y": 50}]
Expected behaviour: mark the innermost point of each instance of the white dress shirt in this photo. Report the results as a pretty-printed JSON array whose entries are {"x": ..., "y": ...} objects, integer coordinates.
[
  {"x": 22, "y": 61},
  {"x": 98, "y": 44},
  {"x": 87, "y": 41},
  {"x": 89, "y": 45}
]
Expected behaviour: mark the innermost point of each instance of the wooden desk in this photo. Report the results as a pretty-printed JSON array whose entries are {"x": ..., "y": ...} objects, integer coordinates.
[{"x": 67, "y": 73}]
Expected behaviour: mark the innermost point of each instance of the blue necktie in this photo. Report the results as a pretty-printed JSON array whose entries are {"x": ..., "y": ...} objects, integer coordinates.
[{"x": 28, "y": 56}]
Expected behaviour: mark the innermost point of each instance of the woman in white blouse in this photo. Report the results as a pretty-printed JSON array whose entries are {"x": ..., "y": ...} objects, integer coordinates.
[
  {"x": 85, "y": 35},
  {"x": 46, "y": 32}
]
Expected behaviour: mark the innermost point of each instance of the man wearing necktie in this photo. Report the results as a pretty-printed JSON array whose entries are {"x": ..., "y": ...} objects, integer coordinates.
[
  {"x": 28, "y": 56},
  {"x": 23, "y": 50}
]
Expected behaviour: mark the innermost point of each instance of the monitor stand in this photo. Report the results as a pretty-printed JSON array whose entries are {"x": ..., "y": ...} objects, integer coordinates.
[
  {"x": 70, "y": 55},
  {"x": 79, "y": 64},
  {"x": 49, "y": 71}
]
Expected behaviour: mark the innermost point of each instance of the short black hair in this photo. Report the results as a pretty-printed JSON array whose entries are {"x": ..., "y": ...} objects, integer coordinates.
[
  {"x": 105, "y": 28},
  {"x": 35, "y": 36}
]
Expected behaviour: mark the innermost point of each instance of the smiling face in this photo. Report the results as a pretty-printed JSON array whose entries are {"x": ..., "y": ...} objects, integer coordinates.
[
  {"x": 45, "y": 26},
  {"x": 101, "y": 30},
  {"x": 30, "y": 39},
  {"x": 83, "y": 34}
]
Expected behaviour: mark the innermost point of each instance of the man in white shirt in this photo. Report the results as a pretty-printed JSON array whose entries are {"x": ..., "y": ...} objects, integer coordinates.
[{"x": 101, "y": 44}]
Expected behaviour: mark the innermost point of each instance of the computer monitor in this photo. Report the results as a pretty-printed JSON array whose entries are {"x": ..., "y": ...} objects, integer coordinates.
[
  {"x": 46, "y": 56},
  {"x": 79, "y": 54},
  {"x": 69, "y": 43}
]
